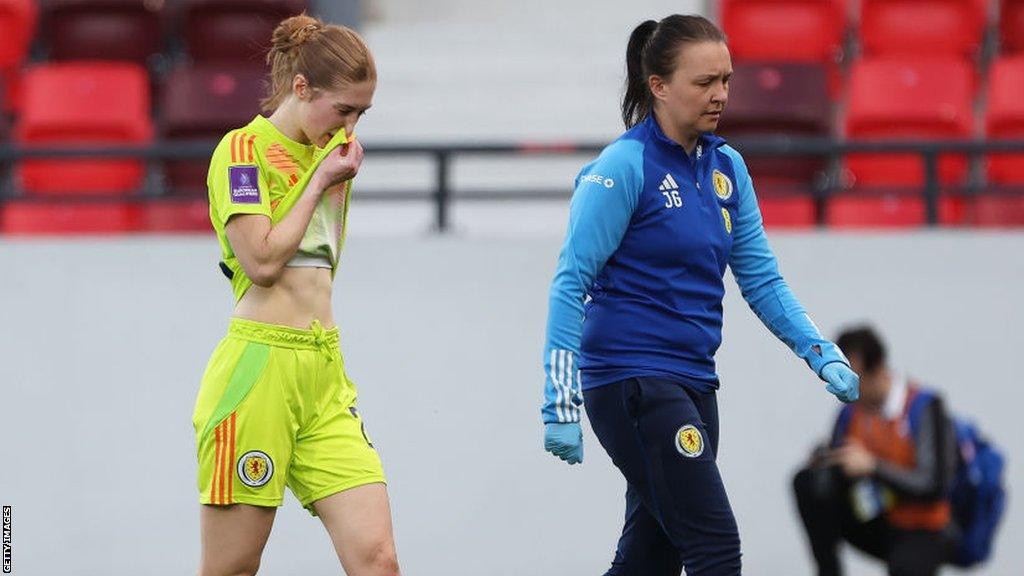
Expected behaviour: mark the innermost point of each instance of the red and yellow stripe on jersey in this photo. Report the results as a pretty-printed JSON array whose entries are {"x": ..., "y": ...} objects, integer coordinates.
[{"x": 241, "y": 146}]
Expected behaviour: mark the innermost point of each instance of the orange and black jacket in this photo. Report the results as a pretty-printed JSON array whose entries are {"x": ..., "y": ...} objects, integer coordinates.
[{"x": 916, "y": 452}]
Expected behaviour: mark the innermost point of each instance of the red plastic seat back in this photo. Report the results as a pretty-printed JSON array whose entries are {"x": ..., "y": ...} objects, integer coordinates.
[
  {"x": 786, "y": 30},
  {"x": 88, "y": 103},
  {"x": 853, "y": 210},
  {"x": 176, "y": 215},
  {"x": 103, "y": 29},
  {"x": 5, "y": 127},
  {"x": 234, "y": 30},
  {"x": 778, "y": 98},
  {"x": 902, "y": 98},
  {"x": 50, "y": 217},
  {"x": 1011, "y": 25},
  {"x": 997, "y": 210},
  {"x": 17, "y": 28},
  {"x": 787, "y": 211},
  {"x": 922, "y": 27},
  {"x": 1005, "y": 117},
  {"x": 789, "y": 99},
  {"x": 206, "y": 102}
]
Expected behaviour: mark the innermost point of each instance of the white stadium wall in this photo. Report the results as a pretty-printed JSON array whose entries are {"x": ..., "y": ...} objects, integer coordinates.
[{"x": 104, "y": 342}]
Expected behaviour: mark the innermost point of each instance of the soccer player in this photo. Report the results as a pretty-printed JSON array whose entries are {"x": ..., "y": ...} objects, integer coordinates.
[
  {"x": 635, "y": 312},
  {"x": 275, "y": 407}
]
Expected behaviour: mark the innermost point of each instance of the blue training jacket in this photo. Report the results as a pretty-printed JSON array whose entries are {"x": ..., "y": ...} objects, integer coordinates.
[{"x": 639, "y": 285}]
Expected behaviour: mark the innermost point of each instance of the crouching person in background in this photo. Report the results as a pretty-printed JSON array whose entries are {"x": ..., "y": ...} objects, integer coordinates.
[{"x": 883, "y": 483}]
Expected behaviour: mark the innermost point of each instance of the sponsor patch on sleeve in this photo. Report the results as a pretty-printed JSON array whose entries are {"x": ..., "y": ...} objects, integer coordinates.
[
  {"x": 598, "y": 179},
  {"x": 244, "y": 184}
]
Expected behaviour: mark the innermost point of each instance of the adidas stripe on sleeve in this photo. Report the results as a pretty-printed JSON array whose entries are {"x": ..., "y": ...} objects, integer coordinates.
[{"x": 606, "y": 194}]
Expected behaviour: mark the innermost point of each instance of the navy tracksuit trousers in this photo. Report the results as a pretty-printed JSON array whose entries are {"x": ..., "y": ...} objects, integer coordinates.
[{"x": 663, "y": 437}]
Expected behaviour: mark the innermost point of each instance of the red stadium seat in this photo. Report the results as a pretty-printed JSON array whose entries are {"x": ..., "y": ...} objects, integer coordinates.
[
  {"x": 17, "y": 28},
  {"x": 5, "y": 127},
  {"x": 783, "y": 99},
  {"x": 922, "y": 27},
  {"x": 785, "y": 30},
  {"x": 787, "y": 211},
  {"x": 206, "y": 102},
  {"x": 102, "y": 29},
  {"x": 908, "y": 99},
  {"x": 25, "y": 217},
  {"x": 997, "y": 210},
  {"x": 176, "y": 214},
  {"x": 1011, "y": 25},
  {"x": 889, "y": 211},
  {"x": 88, "y": 104},
  {"x": 778, "y": 98},
  {"x": 233, "y": 30},
  {"x": 1005, "y": 117}
]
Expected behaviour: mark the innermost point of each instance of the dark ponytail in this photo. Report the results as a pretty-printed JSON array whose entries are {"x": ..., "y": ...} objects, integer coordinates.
[
  {"x": 652, "y": 50},
  {"x": 637, "y": 99}
]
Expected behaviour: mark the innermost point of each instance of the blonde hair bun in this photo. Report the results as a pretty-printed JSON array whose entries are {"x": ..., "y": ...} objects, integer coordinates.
[
  {"x": 327, "y": 55},
  {"x": 294, "y": 31}
]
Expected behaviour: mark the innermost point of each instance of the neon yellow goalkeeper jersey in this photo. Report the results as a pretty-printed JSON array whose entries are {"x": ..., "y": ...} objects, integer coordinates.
[{"x": 258, "y": 170}]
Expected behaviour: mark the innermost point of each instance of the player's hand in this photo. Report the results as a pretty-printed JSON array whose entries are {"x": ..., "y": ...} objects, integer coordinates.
[
  {"x": 564, "y": 440},
  {"x": 340, "y": 164},
  {"x": 842, "y": 381}
]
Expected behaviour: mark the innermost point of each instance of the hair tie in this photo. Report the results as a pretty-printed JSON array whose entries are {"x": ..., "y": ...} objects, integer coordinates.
[{"x": 304, "y": 33}]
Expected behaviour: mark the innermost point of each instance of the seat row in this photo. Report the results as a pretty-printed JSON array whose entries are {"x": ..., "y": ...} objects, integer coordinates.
[
  {"x": 206, "y": 31},
  {"x": 835, "y": 33},
  {"x": 104, "y": 103},
  {"x": 816, "y": 30},
  {"x": 190, "y": 214},
  {"x": 889, "y": 98},
  {"x": 107, "y": 104}
]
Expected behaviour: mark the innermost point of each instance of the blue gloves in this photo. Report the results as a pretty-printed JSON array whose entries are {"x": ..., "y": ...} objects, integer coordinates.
[
  {"x": 842, "y": 381},
  {"x": 564, "y": 440}
]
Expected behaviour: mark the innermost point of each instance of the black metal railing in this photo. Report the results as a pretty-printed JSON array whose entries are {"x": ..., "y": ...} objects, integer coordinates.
[{"x": 443, "y": 155}]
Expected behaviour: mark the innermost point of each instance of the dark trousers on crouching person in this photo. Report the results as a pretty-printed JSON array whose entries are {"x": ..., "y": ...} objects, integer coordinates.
[{"x": 825, "y": 499}]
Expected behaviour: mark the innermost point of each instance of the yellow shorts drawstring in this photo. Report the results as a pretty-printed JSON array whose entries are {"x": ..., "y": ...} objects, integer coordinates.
[{"x": 323, "y": 342}]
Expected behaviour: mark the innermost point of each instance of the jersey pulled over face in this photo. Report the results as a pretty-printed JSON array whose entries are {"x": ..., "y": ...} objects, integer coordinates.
[
  {"x": 252, "y": 171},
  {"x": 332, "y": 110}
]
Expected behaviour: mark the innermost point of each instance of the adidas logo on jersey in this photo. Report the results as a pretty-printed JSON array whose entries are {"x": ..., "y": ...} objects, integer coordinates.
[{"x": 668, "y": 183}]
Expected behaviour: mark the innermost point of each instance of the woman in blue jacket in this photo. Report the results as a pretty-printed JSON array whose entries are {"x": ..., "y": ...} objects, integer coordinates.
[{"x": 635, "y": 311}]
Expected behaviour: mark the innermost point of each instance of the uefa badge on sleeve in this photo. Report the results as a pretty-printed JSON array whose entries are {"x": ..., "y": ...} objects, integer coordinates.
[
  {"x": 689, "y": 441},
  {"x": 244, "y": 184}
]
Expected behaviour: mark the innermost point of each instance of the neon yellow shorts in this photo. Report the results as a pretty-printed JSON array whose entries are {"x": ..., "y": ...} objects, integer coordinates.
[{"x": 274, "y": 409}]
